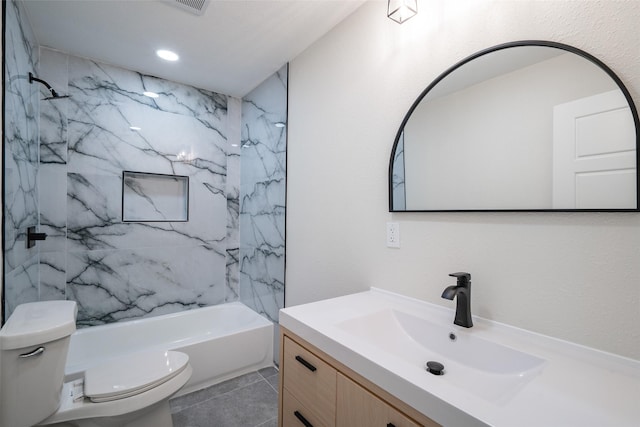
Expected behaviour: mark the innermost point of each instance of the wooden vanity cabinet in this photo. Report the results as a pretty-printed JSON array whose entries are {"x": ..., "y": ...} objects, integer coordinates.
[
  {"x": 357, "y": 407},
  {"x": 318, "y": 391},
  {"x": 311, "y": 382}
]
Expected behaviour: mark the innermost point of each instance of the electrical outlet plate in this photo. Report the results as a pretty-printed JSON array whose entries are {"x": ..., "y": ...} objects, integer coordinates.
[{"x": 393, "y": 235}]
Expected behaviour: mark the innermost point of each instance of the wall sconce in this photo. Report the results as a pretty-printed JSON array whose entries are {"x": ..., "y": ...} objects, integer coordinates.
[{"x": 401, "y": 10}]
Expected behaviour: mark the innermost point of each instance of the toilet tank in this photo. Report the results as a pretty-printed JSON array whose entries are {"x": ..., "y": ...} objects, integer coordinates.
[{"x": 33, "y": 350}]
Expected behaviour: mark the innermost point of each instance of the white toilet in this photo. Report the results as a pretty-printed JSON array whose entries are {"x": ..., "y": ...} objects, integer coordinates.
[{"x": 128, "y": 391}]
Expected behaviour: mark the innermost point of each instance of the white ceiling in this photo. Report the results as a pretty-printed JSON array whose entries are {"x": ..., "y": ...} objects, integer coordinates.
[{"x": 230, "y": 49}]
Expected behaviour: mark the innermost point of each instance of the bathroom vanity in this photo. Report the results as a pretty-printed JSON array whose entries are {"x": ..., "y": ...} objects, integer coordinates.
[
  {"x": 318, "y": 390},
  {"x": 359, "y": 360}
]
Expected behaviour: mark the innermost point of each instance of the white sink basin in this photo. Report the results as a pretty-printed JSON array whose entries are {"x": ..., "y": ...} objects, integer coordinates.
[
  {"x": 494, "y": 374},
  {"x": 484, "y": 368}
]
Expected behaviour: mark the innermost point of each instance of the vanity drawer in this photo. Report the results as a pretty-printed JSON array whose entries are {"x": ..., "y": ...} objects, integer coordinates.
[
  {"x": 311, "y": 381},
  {"x": 358, "y": 407},
  {"x": 294, "y": 412}
]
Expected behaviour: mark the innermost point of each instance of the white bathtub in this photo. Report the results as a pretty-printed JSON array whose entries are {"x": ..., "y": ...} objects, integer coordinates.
[{"x": 222, "y": 341}]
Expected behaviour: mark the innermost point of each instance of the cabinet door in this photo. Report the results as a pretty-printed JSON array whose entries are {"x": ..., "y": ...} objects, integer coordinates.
[{"x": 357, "y": 407}]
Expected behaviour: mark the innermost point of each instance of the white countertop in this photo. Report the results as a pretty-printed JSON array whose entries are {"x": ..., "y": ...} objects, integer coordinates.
[{"x": 576, "y": 385}]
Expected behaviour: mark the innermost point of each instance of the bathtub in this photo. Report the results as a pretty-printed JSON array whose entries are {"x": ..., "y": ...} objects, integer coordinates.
[{"x": 222, "y": 342}]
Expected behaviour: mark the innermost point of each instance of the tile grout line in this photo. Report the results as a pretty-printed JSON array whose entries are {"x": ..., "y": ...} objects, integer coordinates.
[
  {"x": 228, "y": 392},
  {"x": 272, "y": 386},
  {"x": 218, "y": 395},
  {"x": 211, "y": 402},
  {"x": 269, "y": 420},
  {"x": 262, "y": 375}
]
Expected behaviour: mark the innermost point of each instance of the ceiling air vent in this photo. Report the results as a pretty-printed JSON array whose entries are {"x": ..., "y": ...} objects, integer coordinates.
[{"x": 197, "y": 7}]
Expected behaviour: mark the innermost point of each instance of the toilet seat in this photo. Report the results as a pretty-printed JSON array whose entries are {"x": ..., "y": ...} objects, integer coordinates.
[
  {"x": 131, "y": 375},
  {"x": 76, "y": 411}
]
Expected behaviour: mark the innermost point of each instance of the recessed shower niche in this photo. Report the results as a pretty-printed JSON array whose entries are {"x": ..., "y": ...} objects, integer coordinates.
[{"x": 151, "y": 197}]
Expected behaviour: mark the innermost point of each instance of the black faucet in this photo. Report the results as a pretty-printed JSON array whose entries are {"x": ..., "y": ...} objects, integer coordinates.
[{"x": 463, "y": 305}]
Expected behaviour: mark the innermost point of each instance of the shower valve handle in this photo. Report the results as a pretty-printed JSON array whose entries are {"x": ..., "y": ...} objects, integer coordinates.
[{"x": 32, "y": 237}]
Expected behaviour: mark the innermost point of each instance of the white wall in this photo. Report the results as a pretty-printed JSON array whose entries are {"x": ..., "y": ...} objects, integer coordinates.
[{"x": 575, "y": 276}]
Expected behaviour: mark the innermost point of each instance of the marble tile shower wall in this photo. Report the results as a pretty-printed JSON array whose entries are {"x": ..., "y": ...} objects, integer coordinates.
[
  {"x": 117, "y": 270},
  {"x": 21, "y": 265},
  {"x": 262, "y": 196},
  {"x": 234, "y": 114}
]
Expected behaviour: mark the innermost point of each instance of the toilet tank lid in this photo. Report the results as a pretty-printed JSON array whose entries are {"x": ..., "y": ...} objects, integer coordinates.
[{"x": 36, "y": 323}]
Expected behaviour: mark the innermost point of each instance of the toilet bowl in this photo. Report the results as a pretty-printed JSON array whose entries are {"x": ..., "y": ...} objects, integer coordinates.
[{"x": 132, "y": 390}]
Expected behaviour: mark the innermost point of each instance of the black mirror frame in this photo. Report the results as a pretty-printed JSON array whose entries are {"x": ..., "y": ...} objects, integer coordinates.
[{"x": 496, "y": 48}]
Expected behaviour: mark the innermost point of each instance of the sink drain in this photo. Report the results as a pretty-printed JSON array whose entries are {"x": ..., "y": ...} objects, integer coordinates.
[{"x": 435, "y": 368}]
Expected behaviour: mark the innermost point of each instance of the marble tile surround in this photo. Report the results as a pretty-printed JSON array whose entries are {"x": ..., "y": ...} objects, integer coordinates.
[
  {"x": 234, "y": 114},
  {"x": 70, "y": 187},
  {"x": 263, "y": 196},
  {"x": 117, "y": 270},
  {"x": 21, "y": 266}
]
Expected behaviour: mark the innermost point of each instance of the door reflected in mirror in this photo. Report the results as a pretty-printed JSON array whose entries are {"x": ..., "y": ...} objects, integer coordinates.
[{"x": 524, "y": 126}]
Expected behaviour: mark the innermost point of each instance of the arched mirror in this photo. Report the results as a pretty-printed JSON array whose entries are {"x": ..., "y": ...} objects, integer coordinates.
[{"x": 523, "y": 126}]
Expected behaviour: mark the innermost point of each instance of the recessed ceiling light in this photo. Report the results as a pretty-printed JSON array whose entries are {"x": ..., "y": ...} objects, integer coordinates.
[
  {"x": 135, "y": 128},
  {"x": 280, "y": 125},
  {"x": 167, "y": 55},
  {"x": 150, "y": 94}
]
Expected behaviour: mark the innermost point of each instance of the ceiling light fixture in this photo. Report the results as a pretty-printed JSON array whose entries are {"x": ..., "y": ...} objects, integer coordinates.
[
  {"x": 279, "y": 125},
  {"x": 150, "y": 94},
  {"x": 401, "y": 10},
  {"x": 167, "y": 55}
]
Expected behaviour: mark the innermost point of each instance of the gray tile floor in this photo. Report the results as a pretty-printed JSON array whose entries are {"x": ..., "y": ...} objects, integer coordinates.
[{"x": 249, "y": 400}]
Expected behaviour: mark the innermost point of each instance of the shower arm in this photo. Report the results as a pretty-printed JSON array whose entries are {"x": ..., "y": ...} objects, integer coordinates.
[{"x": 33, "y": 78}]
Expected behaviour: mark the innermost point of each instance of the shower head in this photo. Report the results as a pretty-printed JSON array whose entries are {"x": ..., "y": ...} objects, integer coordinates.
[{"x": 54, "y": 94}]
